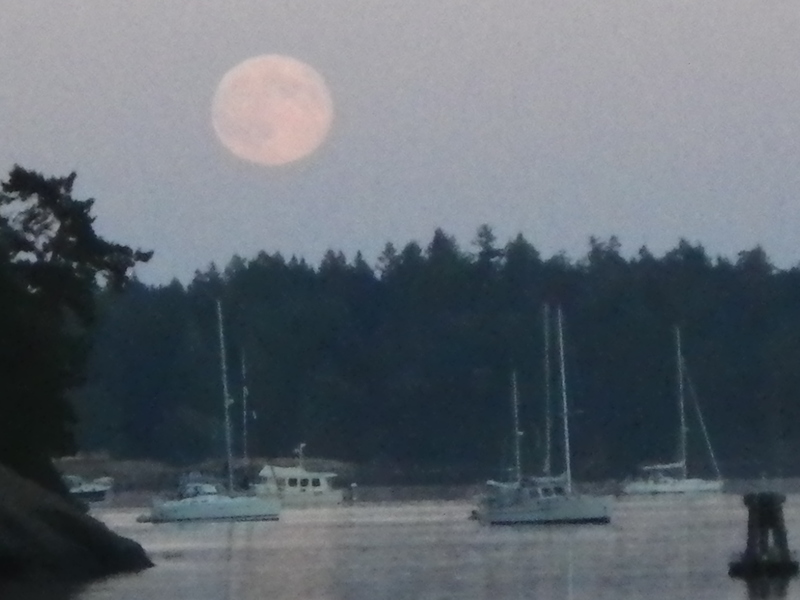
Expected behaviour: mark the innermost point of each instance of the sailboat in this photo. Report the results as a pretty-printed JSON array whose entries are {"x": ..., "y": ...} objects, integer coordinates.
[
  {"x": 544, "y": 499},
  {"x": 673, "y": 478},
  {"x": 207, "y": 502}
]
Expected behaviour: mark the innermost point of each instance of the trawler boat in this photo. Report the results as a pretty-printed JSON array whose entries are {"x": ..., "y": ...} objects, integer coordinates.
[
  {"x": 541, "y": 500},
  {"x": 203, "y": 501},
  {"x": 672, "y": 478},
  {"x": 297, "y": 486}
]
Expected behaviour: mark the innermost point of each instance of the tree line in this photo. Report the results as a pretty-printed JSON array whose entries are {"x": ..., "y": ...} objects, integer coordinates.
[{"x": 405, "y": 366}]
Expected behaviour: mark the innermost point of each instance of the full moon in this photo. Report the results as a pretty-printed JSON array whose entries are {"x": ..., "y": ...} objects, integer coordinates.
[{"x": 272, "y": 110}]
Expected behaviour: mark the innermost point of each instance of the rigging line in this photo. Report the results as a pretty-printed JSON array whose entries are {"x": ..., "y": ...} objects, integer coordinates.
[{"x": 699, "y": 412}]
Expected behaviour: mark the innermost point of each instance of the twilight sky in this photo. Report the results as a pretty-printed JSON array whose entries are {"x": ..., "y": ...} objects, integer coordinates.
[{"x": 648, "y": 119}]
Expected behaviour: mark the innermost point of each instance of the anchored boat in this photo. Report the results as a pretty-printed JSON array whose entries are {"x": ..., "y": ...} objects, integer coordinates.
[
  {"x": 547, "y": 499},
  {"x": 673, "y": 478},
  {"x": 205, "y": 501},
  {"x": 95, "y": 490}
]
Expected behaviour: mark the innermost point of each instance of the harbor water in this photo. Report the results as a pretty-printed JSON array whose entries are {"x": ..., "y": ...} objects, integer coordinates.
[{"x": 655, "y": 548}]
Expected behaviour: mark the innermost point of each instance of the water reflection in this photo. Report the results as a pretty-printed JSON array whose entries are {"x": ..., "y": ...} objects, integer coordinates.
[
  {"x": 570, "y": 571},
  {"x": 767, "y": 588},
  {"x": 656, "y": 549}
]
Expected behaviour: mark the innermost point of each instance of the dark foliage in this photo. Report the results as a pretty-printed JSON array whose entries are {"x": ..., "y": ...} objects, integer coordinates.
[{"x": 51, "y": 266}]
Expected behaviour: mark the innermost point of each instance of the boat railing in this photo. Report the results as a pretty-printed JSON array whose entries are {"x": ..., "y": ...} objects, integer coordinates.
[
  {"x": 545, "y": 479},
  {"x": 662, "y": 467}
]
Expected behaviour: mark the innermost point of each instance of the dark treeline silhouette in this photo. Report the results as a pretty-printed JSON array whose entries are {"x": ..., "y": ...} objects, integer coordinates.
[
  {"x": 407, "y": 365},
  {"x": 51, "y": 266}
]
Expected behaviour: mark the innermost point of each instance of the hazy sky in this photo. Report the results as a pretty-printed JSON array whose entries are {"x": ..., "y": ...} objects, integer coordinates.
[{"x": 560, "y": 119}]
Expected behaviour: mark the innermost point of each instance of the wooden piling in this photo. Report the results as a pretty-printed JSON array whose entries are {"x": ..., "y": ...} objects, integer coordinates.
[{"x": 767, "y": 552}]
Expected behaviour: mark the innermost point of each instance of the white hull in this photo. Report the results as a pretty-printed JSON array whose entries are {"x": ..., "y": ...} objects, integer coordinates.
[
  {"x": 302, "y": 499},
  {"x": 215, "y": 508},
  {"x": 547, "y": 511},
  {"x": 97, "y": 490},
  {"x": 674, "y": 486},
  {"x": 91, "y": 492}
]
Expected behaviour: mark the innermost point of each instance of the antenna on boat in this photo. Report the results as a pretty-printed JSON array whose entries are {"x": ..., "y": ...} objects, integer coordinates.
[
  {"x": 517, "y": 432},
  {"x": 564, "y": 401},
  {"x": 226, "y": 401},
  {"x": 547, "y": 417},
  {"x": 299, "y": 452}
]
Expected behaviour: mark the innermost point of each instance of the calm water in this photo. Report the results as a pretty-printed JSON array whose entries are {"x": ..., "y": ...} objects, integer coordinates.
[{"x": 655, "y": 548}]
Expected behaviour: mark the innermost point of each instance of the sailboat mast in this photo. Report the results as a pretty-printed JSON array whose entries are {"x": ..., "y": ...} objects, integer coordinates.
[
  {"x": 681, "y": 404},
  {"x": 564, "y": 410},
  {"x": 547, "y": 417},
  {"x": 225, "y": 397},
  {"x": 244, "y": 409},
  {"x": 517, "y": 432}
]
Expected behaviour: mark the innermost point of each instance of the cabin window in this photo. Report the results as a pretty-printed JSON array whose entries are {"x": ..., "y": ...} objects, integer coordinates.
[
  {"x": 315, "y": 482},
  {"x": 281, "y": 481},
  {"x": 292, "y": 481},
  {"x": 304, "y": 483}
]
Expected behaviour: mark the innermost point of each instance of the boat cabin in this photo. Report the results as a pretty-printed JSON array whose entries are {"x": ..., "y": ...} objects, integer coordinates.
[
  {"x": 298, "y": 484},
  {"x": 532, "y": 488},
  {"x": 195, "y": 489}
]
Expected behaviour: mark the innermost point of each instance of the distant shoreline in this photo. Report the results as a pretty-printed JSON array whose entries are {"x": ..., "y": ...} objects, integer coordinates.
[{"x": 463, "y": 493}]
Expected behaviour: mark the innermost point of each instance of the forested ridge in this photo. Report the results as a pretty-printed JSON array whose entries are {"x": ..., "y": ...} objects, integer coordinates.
[{"x": 407, "y": 364}]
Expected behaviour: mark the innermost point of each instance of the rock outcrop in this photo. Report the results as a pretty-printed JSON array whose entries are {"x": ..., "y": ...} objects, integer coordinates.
[{"x": 46, "y": 536}]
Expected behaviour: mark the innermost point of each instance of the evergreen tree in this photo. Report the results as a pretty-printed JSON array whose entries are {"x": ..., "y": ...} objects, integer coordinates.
[{"x": 51, "y": 265}]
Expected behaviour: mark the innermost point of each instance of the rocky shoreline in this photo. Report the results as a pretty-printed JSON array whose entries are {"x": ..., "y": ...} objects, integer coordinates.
[{"x": 44, "y": 536}]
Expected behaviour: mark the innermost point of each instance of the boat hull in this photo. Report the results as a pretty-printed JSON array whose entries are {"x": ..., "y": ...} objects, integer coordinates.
[
  {"x": 674, "y": 486},
  {"x": 96, "y": 490},
  {"x": 302, "y": 499},
  {"x": 215, "y": 508},
  {"x": 576, "y": 509},
  {"x": 334, "y": 498}
]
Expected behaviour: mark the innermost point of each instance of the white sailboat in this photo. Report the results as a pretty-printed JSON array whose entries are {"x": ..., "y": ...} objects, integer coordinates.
[
  {"x": 542, "y": 500},
  {"x": 673, "y": 478},
  {"x": 208, "y": 502}
]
